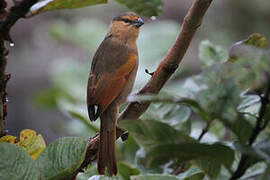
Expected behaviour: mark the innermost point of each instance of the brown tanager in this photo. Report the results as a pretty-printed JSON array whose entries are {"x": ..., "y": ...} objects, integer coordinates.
[{"x": 111, "y": 79}]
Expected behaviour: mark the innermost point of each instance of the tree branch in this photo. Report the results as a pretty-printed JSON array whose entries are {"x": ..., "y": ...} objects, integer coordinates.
[
  {"x": 3, "y": 63},
  {"x": 7, "y": 20},
  {"x": 166, "y": 68},
  {"x": 18, "y": 11}
]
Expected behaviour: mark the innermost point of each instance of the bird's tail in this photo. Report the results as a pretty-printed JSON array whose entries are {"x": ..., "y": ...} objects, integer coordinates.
[{"x": 107, "y": 152}]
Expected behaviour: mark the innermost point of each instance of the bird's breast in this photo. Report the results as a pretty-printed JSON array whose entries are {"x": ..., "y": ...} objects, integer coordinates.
[{"x": 127, "y": 66}]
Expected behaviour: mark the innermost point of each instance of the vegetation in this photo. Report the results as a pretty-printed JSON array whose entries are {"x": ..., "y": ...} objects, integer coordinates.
[{"x": 229, "y": 99}]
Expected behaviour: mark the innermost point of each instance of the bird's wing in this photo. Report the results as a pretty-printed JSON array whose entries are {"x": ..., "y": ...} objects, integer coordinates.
[{"x": 111, "y": 67}]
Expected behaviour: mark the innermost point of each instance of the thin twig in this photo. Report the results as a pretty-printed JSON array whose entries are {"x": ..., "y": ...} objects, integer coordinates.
[
  {"x": 7, "y": 20},
  {"x": 204, "y": 131},
  {"x": 260, "y": 126}
]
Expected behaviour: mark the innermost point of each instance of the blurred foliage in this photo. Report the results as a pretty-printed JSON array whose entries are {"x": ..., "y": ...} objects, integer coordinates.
[
  {"x": 59, "y": 159},
  {"x": 143, "y": 7},
  {"x": 166, "y": 136},
  {"x": 49, "y": 5},
  {"x": 224, "y": 97}
]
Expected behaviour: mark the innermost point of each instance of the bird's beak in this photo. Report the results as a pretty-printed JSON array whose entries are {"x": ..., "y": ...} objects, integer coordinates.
[{"x": 138, "y": 23}]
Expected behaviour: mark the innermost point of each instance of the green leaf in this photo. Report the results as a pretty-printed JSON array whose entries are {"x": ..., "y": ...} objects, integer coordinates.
[
  {"x": 62, "y": 157},
  {"x": 171, "y": 99},
  {"x": 16, "y": 164},
  {"x": 210, "y": 166},
  {"x": 192, "y": 150},
  {"x": 144, "y": 7},
  {"x": 210, "y": 54},
  {"x": 49, "y": 5},
  {"x": 154, "y": 177},
  {"x": 149, "y": 133},
  {"x": 125, "y": 170},
  {"x": 240, "y": 127},
  {"x": 192, "y": 173}
]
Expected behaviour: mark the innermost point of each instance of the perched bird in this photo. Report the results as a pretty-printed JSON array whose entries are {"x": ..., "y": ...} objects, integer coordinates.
[{"x": 111, "y": 79}]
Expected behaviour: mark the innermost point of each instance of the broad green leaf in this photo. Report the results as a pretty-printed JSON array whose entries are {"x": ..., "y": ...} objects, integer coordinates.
[
  {"x": 253, "y": 156},
  {"x": 210, "y": 166},
  {"x": 239, "y": 126},
  {"x": 210, "y": 54},
  {"x": 16, "y": 164},
  {"x": 62, "y": 157},
  {"x": 88, "y": 172},
  {"x": 125, "y": 170},
  {"x": 193, "y": 173},
  {"x": 263, "y": 149},
  {"x": 150, "y": 133},
  {"x": 171, "y": 99},
  {"x": 127, "y": 150},
  {"x": 154, "y": 177},
  {"x": 190, "y": 151},
  {"x": 144, "y": 7},
  {"x": 49, "y": 5},
  {"x": 29, "y": 140}
]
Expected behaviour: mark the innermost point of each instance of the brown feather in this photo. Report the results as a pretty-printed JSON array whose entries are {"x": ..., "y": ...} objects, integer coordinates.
[{"x": 111, "y": 79}]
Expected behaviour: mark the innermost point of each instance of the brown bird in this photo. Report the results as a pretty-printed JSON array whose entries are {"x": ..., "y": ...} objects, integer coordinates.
[{"x": 111, "y": 79}]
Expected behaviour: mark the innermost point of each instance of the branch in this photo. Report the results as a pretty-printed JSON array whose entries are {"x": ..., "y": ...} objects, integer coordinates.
[
  {"x": 7, "y": 20},
  {"x": 260, "y": 126},
  {"x": 18, "y": 11},
  {"x": 3, "y": 63},
  {"x": 166, "y": 68}
]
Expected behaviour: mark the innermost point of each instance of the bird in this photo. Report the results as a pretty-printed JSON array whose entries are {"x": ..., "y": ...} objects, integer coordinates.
[{"x": 112, "y": 75}]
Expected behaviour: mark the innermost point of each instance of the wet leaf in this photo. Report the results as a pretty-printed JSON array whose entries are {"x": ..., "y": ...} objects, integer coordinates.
[
  {"x": 149, "y": 133},
  {"x": 49, "y": 5},
  {"x": 62, "y": 157},
  {"x": 190, "y": 151},
  {"x": 16, "y": 164}
]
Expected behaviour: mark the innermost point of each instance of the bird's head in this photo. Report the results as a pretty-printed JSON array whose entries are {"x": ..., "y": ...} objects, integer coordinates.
[{"x": 126, "y": 25}]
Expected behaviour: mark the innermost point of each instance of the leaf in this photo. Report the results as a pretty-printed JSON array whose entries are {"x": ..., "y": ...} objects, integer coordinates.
[
  {"x": 8, "y": 138},
  {"x": 125, "y": 170},
  {"x": 171, "y": 99},
  {"x": 16, "y": 164},
  {"x": 190, "y": 151},
  {"x": 149, "y": 133},
  {"x": 49, "y": 5},
  {"x": 210, "y": 166},
  {"x": 32, "y": 142},
  {"x": 254, "y": 43},
  {"x": 210, "y": 54},
  {"x": 193, "y": 173},
  {"x": 154, "y": 177},
  {"x": 239, "y": 126},
  {"x": 144, "y": 7},
  {"x": 62, "y": 157}
]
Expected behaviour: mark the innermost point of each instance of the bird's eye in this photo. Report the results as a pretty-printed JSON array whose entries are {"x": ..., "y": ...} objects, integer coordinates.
[{"x": 127, "y": 20}]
